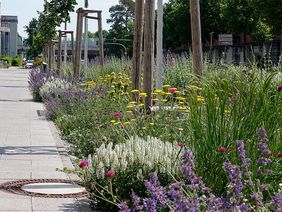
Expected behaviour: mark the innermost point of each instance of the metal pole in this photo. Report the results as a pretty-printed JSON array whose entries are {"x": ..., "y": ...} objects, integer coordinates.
[
  {"x": 65, "y": 47},
  {"x": 160, "y": 46},
  {"x": 59, "y": 60},
  {"x": 86, "y": 38}
]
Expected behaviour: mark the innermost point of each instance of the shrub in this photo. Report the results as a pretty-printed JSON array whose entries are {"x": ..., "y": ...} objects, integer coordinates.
[
  {"x": 54, "y": 84},
  {"x": 124, "y": 166},
  {"x": 36, "y": 80},
  {"x": 16, "y": 61},
  {"x": 244, "y": 192}
]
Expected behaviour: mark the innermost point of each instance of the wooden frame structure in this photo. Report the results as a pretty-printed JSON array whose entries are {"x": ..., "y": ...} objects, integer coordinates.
[
  {"x": 84, "y": 12},
  {"x": 63, "y": 33},
  {"x": 51, "y": 53}
]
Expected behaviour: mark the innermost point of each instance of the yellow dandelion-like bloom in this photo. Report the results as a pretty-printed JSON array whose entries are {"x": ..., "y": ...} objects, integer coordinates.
[
  {"x": 134, "y": 91},
  {"x": 155, "y": 99},
  {"x": 168, "y": 93},
  {"x": 141, "y": 105},
  {"x": 143, "y": 94},
  {"x": 162, "y": 93},
  {"x": 144, "y": 128},
  {"x": 152, "y": 123},
  {"x": 157, "y": 91},
  {"x": 180, "y": 98},
  {"x": 177, "y": 92},
  {"x": 154, "y": 93},
  {"x": 113, "y": 121},
  {"x": 200, "y": 99},
  {"x": 166, "y": 86},
  {"x": 133, "y": 102},
  {"x": 129, "y": 107},
  {"x": 126, "y": 123},
  {"x": 187, "y": 111},
  {"x": 180, "y": 103},
  {"x": 164, "y": 100},
  {"x": 129, "y": 111},
  {"x": 227, "y": 111},
  {"x": 182, "y": 108},
  {"x": 117, "y": 123}
]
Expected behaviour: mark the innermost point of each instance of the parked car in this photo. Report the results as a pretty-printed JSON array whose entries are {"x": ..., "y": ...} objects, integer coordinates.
[{"x": 29, "y": 64}]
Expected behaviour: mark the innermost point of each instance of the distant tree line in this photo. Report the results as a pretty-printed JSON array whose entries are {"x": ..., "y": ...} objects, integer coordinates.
[{"x": 260, "y": 19}]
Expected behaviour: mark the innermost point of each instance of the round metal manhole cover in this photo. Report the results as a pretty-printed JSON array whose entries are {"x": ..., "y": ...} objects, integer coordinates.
[
  {"x": 53, "y": 188},
  {"x": 49, "y": 188}
]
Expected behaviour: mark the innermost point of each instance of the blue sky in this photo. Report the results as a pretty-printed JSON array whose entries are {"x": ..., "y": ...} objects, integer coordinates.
[{"x": 27, "y": 9}]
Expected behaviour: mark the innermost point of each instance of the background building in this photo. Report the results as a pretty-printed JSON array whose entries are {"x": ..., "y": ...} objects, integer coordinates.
[{"x": 9, "y": 40}]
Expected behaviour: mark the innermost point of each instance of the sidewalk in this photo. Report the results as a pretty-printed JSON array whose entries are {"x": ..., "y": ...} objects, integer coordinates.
[{"x": 29, "y": 147}]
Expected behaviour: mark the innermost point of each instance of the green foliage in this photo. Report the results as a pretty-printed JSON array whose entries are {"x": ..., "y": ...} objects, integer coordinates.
[
  {"x": 17, "y": 61},
  {"x": 7, "y": 59}
]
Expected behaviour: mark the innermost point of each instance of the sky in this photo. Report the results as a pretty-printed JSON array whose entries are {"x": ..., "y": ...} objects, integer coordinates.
[{"x": 27, "y": 9}]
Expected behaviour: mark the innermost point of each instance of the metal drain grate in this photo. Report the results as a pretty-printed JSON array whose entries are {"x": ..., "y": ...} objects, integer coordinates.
[{"x": 15, "y": 187}]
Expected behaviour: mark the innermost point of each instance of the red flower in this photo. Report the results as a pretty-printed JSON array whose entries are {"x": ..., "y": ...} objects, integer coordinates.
[
  {"x": 117, "y": 114},
  {"x": 279, "y": 155},
  {"x": 181, "y": 145},
  {"x": 279, "y": 87},
  {"x": 280, "y": 139},
  {"x": 222, "y": 149},
  {"x": 83, "y": 163},
  {"x": 172, "y": 90},
  {"x": 110, "y": 173}
]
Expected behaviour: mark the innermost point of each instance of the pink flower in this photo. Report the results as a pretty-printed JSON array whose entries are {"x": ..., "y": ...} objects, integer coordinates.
[
  {"x": 172, "y": 90},
  {"x": 117, "y": 114},
  {"x": 279, "y": 87},
  {"x": 222, "y": 149},
  {"x": 83, "y": 164},
  {"x": 110, "y": 173},
  {"x": 181, "y": 145}
]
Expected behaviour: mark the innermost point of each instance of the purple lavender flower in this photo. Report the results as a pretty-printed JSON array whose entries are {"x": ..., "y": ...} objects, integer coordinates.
[
  {"x": 263, "y": 161},
  {"x": 123, "y": 207},
  {"x": 263, "y": 147},
  {"x": 156, "y": 190},
  {"x": 277, "y": 202},
  {"x": 150, "y": 204},
  {"x": 244, "y": 162},
  {"x": 137, "y": 205},
  {"x": 188, "y": 170},
  {"x": 180, "y": 201},
  {"x": 236, "y": 185}
]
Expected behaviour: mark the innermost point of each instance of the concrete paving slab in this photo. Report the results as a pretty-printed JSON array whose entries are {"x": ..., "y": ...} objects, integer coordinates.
[{"x": 28, "y": 147}]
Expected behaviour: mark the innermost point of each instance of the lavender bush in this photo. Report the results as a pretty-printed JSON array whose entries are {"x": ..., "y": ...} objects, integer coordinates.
[
  {"x": 36, "y": 80},
  {"x": 243, "y": 193}
]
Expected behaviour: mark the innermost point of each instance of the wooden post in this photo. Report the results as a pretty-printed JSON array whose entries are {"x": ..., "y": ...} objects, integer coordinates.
[
  {"x": 159, "y": 75},
  {"x": 59, "y": 63},
  {"x": 77, "y": 54},
  {"x": 66, "y": 47},
  {"x": 137, "y": 45},
  {"x": 72, "y": 48},
  {"x": 196, "y": 37},
  {"x": 50, "y": 53},
  {"x": 101, "y": 40},
  {"x": 85, "y": 37},
  {"x": 148, "y": 50}
]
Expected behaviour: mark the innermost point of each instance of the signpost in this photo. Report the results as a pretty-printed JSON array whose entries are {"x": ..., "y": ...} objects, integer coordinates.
[{"x": 225, "y": 39}]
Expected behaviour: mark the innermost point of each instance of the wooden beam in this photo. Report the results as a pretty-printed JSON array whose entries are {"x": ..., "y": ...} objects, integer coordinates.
[
  {"x": 148, "y": 50},
  {"x": 77, "y": 53},
  {"x": 101, "y": 40},
  {"x": 197, "y": 53},
  {"x": 137, "y": 45},
  {"x": 91, "y": 17},
  {"x": 59, "y": 61}
]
